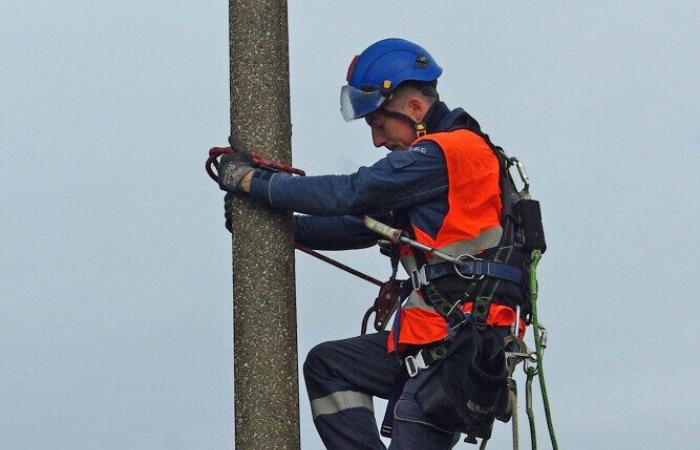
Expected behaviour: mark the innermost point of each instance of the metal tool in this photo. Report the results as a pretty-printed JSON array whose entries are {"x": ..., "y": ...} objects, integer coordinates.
[{"x": 396, "y": 236}]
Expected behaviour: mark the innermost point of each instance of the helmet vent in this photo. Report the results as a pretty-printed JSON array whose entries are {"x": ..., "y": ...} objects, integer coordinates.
[{"x": 421, "y": 62}]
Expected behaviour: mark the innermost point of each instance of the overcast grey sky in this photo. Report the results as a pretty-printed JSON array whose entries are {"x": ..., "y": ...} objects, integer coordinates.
[{"x": 115, "y": 295}]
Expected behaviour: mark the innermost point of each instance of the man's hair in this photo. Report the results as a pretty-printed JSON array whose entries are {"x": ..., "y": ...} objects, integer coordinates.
[{"x": 426, "y": 88}]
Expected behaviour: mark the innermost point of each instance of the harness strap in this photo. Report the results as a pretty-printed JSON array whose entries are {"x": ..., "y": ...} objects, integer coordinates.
[
  {"x": 401, "y": 376},
  {"x": 437, "y": 351},
  {"x": 447, "y": 308},
  {"x": 469, "y": 269},
  {"x": 482, "y": 302},
  {"x": 388, "y": 421}
]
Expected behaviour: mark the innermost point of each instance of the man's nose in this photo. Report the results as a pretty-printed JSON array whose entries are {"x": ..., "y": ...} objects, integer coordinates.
[{"x": 378, "y": 138}]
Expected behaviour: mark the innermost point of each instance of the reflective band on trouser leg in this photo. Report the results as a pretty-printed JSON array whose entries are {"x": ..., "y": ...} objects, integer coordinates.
[{"x": 339, "y": 401}]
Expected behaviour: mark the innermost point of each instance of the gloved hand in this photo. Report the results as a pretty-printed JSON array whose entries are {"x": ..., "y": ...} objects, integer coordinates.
[
  {"x": 386, "y": 248},
  {"x": 229, "y": 198},
  {"x": 233, "y": 168}
]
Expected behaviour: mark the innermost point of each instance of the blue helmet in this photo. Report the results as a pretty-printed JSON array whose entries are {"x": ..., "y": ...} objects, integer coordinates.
[{"x": 376, "y": 72}]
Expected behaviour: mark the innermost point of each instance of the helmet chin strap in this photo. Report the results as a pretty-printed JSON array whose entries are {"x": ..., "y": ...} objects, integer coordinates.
[{"x": 419, "y": 127}]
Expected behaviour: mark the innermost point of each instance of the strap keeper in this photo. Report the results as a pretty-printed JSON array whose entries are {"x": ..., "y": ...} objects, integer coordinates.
[
  {"x": 480, "y": 311},
  {"x": 415, "y": 363},
  {"x": 418, "y": 278}
]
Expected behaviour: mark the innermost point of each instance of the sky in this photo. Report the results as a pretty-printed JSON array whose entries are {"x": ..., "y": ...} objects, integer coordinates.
[{"x": 115, "y": 282}]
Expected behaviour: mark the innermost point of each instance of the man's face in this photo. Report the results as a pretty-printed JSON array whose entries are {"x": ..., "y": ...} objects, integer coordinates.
[{"x": 391, "y": 132}]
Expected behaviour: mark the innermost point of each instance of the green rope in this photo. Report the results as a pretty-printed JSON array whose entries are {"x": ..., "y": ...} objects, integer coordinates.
[{"x": 536, "y": 255}]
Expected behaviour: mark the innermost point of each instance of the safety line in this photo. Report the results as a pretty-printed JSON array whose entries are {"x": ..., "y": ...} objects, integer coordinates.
[{"x": 536, "y": 255}]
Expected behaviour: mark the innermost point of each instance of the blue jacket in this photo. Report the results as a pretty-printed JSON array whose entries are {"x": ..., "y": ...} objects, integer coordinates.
[{"x": 405, "y": 185}]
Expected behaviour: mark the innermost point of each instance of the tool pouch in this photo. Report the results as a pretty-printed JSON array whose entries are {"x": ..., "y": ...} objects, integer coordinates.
[
  {"x": 469, "y": 388},
  {"x": 530, "y": 224}
]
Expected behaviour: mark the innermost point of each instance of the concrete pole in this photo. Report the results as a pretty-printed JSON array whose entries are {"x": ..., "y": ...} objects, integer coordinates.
[{"x": 264, "y": 302}]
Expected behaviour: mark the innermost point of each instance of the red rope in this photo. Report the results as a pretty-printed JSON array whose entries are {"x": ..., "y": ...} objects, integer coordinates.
[
  {"x": 213, "y": 163},
  {"x": 337, "y": 264},
  {"x": 378, "y": 308}
]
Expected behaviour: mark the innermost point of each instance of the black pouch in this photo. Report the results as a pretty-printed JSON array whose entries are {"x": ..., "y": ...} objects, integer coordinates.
[
  {"x": 469, "y": 388},
  {"x": 530, "y": 221}
]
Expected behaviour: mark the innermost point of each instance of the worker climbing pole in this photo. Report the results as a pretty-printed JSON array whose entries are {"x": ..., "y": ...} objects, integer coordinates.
[
  {"x": 454, "y": 367},
  {"x": 264, "y": 305}
]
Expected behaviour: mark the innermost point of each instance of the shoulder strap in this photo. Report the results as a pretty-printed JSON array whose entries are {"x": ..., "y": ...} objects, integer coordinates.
[{"x": 504, "y": 250}]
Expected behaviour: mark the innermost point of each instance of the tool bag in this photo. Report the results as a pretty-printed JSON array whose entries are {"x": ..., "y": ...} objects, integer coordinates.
[{"x": 468, "y": 387}]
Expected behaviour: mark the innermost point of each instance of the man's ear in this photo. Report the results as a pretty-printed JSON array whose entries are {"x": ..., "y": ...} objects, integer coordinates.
[{"x": 417, "y": 108}]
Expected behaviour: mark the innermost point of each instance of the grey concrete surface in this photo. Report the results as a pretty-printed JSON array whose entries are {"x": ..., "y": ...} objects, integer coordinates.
[{"x": 264, "y": 308}]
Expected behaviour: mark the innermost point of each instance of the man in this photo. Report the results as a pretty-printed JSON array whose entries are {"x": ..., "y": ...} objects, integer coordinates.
[{"x": 441, "y": 184}]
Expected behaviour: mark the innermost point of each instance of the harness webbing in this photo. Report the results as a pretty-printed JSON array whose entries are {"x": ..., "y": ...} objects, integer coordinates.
[{"x": 482, "y": 302}]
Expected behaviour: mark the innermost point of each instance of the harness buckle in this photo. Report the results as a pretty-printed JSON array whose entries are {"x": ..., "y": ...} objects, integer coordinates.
[
  {"x": 468, "y": 259},
  {"x": 415, "y": 363},
  {"x": 418, "y": 278}
]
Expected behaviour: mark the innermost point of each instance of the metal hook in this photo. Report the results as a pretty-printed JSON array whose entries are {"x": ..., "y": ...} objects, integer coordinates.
[{"x": 522, "y": 173}]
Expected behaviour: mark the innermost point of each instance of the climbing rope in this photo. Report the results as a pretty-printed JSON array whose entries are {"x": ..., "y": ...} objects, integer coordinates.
[
  {"x": 514, "y": 413},
  {"x": 531, "y": 372},
  {"x": 540, "y": 344},
  {"x": 258, "y": 161},
  {"x": 517, "y": 352},
  {"x": 213, "y": 163}
]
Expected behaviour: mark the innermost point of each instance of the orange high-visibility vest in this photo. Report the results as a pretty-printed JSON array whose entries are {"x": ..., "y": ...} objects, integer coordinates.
[{"x": 471, "y": 225}]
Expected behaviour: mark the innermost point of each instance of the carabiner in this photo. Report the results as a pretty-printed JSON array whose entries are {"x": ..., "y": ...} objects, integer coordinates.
[{"x": 521, "y": 172}]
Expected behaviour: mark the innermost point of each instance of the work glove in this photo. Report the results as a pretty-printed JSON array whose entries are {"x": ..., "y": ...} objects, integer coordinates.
[
  {"x": 233, "y": 167},
  {"x": 386, "y": 247},
  {"x": 229, "y": 198}
]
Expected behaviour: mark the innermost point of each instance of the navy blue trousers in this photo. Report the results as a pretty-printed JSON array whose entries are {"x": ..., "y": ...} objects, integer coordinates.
[{"x": 341, "y": 379}]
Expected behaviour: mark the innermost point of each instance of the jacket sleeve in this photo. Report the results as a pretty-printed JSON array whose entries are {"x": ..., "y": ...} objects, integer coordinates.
[
  {"x": 401, "y": 179},
  {"x": 333, "y": 232}
]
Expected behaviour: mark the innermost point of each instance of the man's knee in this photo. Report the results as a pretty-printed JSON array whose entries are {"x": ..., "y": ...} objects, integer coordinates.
[{"x": 317, "y": 361}]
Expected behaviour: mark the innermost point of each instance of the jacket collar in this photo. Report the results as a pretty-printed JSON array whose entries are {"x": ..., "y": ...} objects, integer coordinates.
[
  {"x": 440, "y": 118},
  {"x": 434, "y": 117}
]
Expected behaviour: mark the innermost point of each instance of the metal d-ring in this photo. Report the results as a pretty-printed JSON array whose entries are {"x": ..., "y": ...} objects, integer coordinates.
[{"x": 466, "y": 257}]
